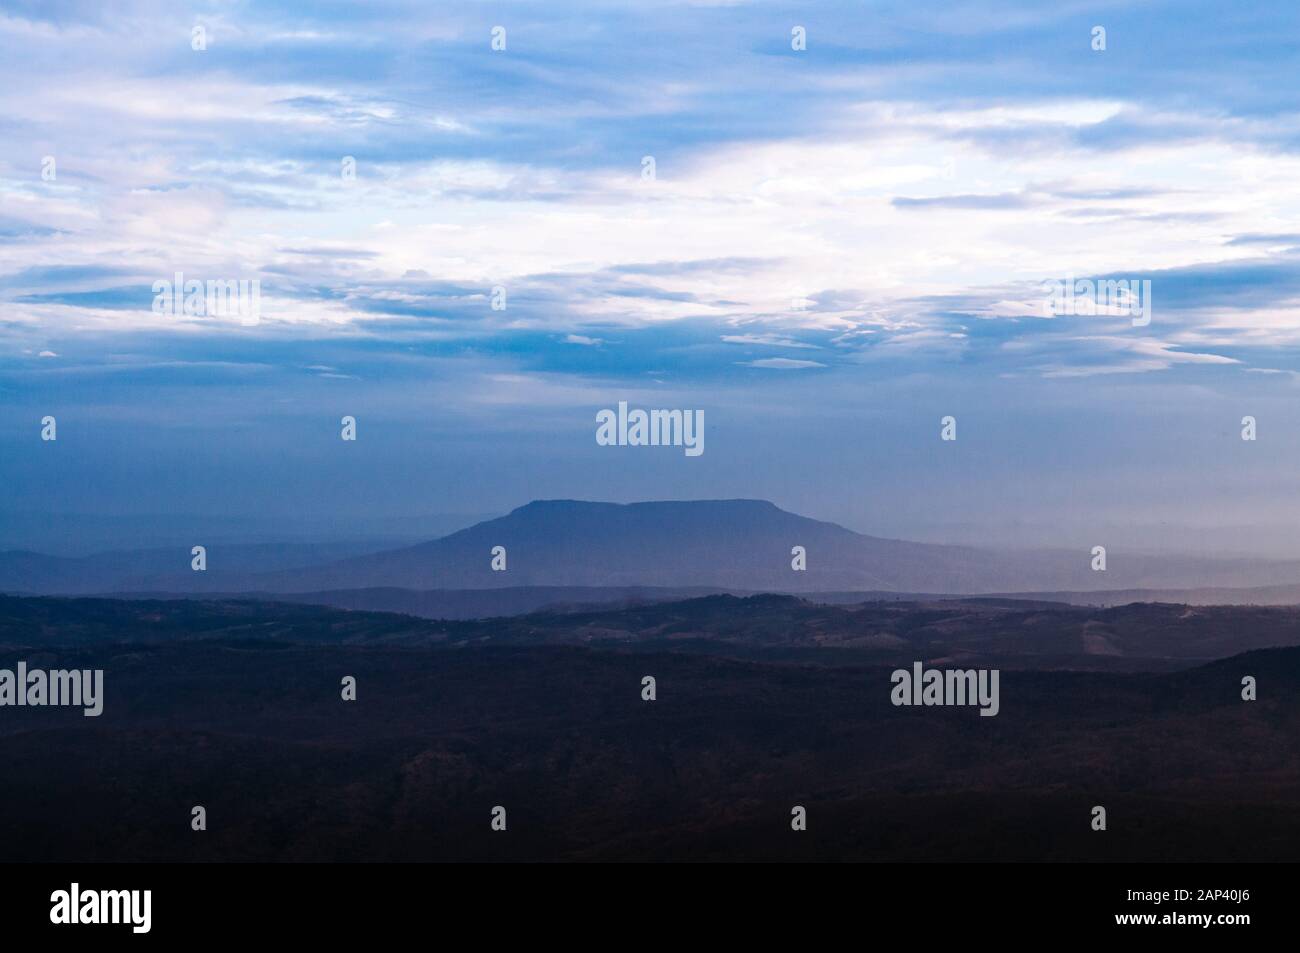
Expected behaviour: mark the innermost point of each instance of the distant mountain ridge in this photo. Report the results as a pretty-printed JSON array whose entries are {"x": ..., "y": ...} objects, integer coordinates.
[{"x": 743, "y": 545}]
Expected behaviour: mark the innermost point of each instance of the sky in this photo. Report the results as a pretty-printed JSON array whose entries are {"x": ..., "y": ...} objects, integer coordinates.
[{"x": 839, "y": 246}]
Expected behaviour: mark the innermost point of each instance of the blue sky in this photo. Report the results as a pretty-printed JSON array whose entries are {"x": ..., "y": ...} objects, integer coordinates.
[{"x": 840, "y": 246}]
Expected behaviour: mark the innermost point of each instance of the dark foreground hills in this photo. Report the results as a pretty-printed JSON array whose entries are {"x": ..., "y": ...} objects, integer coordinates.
[
  {"x": 762, "y": 704},
  {"x": 731, "y": 545},
  {"x": 1139, "y": 637}
]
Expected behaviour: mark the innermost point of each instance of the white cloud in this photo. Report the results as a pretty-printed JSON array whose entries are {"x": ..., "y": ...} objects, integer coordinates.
[
  {"x": 772, "y": 340},
  {"x": 781, "y": 363}
]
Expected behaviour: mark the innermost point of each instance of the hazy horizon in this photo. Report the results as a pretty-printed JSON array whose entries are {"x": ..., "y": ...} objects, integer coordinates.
[{"x": 79, "y": 534}]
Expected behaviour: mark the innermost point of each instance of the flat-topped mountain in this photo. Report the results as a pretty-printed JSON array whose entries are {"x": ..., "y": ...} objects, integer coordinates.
[{"x": 745, "y": 545}]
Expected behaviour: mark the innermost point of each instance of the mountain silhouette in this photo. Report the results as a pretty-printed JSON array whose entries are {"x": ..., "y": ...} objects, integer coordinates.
[
  {"x": 741, "y": 545},
  {"x": 718, "y": 543}
]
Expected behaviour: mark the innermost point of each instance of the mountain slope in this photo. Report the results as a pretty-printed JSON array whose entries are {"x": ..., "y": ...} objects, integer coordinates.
[
  {"x": 720, "y": 544},
  {"x": 163, "y": 569},
  {"x": 739, "y": 544}
]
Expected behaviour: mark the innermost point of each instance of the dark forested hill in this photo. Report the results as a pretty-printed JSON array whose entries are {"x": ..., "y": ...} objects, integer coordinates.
[{"x": 236, "y": 706}]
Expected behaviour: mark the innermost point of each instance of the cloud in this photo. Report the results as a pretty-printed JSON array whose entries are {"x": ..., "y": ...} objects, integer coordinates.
[
  {"x": 769, "y": 340},
  {"x": 1113, "y": 355},
  {"x": 1005, "y": 200},
  {"x": 904, "y": 219},
  {"x": 1275, "y": 239},
  {"x": 781, "y": 363}
]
